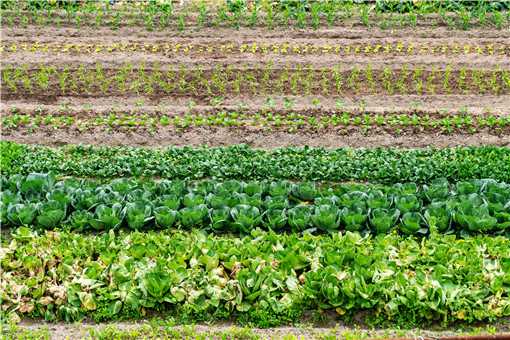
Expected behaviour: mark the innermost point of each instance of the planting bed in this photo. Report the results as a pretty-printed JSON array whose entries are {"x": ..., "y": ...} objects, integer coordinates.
[{"x": 371, "y": 187}]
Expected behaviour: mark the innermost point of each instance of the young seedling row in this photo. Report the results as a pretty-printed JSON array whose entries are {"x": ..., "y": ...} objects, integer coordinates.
[
  {"x": 293, "y": 122},
  {"x": 281, "y": 48},
  {"x": 267, "y": 14},
  {"x": 204, "y": 81}
]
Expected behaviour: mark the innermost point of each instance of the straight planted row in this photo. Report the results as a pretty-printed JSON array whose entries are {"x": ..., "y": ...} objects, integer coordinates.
[
  {"x": 239, "y": 207},
  {"x": 265, "y": 279},
  {"x": 201, "y": 81},
  {"x": 263, "y": 120},
  {"x": 157, "y": 16},
  {"x": 381, "y": 165},
  {"x": 229, "y": 48}
]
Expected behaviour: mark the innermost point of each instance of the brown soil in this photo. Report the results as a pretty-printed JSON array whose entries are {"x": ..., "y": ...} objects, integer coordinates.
[
  {"x": 119, "y": 59},
  {"x": 374, "y": 100},
  {"x": 264, "y": 38},
  {"x": 250, "y": 33},
  {"x": 253, "y": 137}
]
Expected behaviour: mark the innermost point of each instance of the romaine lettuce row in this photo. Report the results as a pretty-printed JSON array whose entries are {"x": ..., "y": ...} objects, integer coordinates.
[{"x": 260, "y": 277}]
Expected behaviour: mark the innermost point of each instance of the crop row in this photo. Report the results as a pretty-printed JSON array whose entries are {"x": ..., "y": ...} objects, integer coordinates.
[
  {"x": 266, "y": 13},
  {"x": 266, "y": 120},
  {"x": 384, "y": 165},
  {"x": 281, "y": 48},
  {"x": 382, "y": 6},
  {"x": 223, "y": 80},
  {"x": 239, "y": 207},
  {"x": 266, "y": 279}
]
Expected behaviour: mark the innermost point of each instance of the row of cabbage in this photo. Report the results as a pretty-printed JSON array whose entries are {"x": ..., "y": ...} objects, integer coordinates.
[
  {"x": 265, "y": 278},
  {"x": 237, "y": 206}
]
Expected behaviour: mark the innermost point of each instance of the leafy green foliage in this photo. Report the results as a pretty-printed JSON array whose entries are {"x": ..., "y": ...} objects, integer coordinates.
[
  {"x": 385, "y": 165},
  {"x": 264, "y": 278},
  {"x": 225, "y": 206}
]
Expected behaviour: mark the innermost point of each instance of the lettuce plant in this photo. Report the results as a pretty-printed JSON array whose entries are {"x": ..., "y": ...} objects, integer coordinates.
[
  {"x": 138, "y": 214},
  {"x": 245, "y": 217},
  {"x": 411, "y": 223},
  {"x": 274, "y": 219},
  {"x": 354, "y": 218},
  {"x": 299, "y": 218},
  {"x": 193, "y": 216},
  {"x": 438, "y": 214}
]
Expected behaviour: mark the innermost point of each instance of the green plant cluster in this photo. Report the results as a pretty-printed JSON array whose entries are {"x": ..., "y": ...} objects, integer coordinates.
[
  {"x": 154, "y": 15},
  {"x": 383, "y": 165},
  {"x": 267, "y": 78},
  {"x": 265, "y": 119},
  {"x": 239, "y": 207},
  {"x": 266, "y": 279}
]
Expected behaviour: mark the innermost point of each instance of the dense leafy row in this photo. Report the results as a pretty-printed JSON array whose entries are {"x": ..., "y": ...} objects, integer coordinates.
[
  {"x": 266, "y": 278},
  {"x": 385, "y": 165},
  {"x": 228, "y": 48},
  {"x": 268, "y": 13},
  {"x": 233, "y": 206},
  {"x": 245, "y": 79},
  {"x": 265, "y": 120}
]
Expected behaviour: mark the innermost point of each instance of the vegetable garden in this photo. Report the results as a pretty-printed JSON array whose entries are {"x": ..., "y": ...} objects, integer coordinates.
[{"x": 262, "y": 163}]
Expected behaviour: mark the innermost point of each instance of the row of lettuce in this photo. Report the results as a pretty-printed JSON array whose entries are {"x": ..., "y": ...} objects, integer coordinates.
[
  {"x": 265, "y": 278},
  {"x": 239, "y": 207},
  {"x": 378, "y": 165}
]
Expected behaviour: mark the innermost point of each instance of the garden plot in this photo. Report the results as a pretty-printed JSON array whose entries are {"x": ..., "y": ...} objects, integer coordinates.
[{"x": 371, "y": 192}]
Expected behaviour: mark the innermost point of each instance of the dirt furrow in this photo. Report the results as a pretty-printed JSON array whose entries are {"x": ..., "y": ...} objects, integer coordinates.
[
  {"x": 119, "y": 59},
  {"x": 245, "y": 33},
  {"x": 391, "y": 37}
]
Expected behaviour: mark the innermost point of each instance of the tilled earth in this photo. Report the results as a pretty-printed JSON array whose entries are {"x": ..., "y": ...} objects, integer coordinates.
[{"x": 431, "y": 48}]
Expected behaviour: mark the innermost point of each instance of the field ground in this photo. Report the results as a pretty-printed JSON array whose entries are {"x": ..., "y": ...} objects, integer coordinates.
[
  {"x": 407, "y": 221},
  {"x": 142, "y": 119}
]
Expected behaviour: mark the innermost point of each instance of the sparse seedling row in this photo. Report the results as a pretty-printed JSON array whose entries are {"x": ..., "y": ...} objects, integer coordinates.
[
  {"x": 264, "y": 120},
  {"x": 269, "y": 14},
  {"x": 203, "y": 82},
  {"x": 258, "y": 48}
]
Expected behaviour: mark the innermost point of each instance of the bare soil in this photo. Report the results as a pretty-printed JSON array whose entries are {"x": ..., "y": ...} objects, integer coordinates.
[
  {"x": 119, "y": 59},
  {"x": 244, "y": 33}
]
